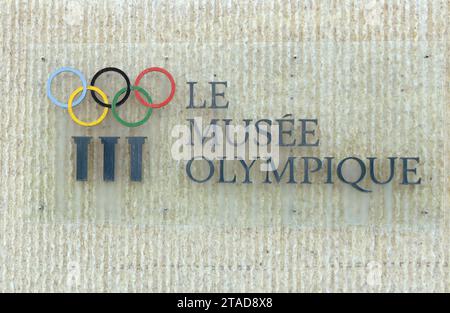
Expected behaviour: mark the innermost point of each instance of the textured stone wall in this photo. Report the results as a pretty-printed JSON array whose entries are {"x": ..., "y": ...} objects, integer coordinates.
[{"x": 374, "y": 73}]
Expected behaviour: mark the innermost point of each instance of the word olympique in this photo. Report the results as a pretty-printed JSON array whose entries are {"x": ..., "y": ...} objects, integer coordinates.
[{"x": 209, "y": 147}]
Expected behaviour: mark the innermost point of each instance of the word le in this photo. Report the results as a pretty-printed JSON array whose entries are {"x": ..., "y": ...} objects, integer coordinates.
[{"x": 109, "y": 157}]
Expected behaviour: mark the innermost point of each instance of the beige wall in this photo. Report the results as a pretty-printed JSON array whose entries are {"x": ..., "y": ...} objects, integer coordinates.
[{"x": 375, "y": 74}]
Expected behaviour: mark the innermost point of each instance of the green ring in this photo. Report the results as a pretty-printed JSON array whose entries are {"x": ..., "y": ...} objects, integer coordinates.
[{"x": 119, "y": 119}]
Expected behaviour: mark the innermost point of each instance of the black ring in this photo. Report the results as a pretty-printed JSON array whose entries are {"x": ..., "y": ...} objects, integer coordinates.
[{"x": 111, "y": 69}]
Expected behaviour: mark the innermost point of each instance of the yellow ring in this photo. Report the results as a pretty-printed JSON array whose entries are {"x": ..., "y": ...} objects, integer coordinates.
[{"x": 70, "y": 108}]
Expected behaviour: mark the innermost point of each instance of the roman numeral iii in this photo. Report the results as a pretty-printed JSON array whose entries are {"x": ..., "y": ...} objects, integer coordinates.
[{"x": 109, "y": 157}]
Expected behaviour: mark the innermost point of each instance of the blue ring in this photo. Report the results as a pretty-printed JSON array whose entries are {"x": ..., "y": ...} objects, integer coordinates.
[{"x": 56, "y": 73}]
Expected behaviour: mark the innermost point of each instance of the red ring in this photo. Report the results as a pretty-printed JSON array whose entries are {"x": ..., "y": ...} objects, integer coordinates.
[{"x": 155, "y": 105}]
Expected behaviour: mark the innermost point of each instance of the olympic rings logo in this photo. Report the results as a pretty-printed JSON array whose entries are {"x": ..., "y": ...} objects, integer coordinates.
[{"x": 138, "y": 92}]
